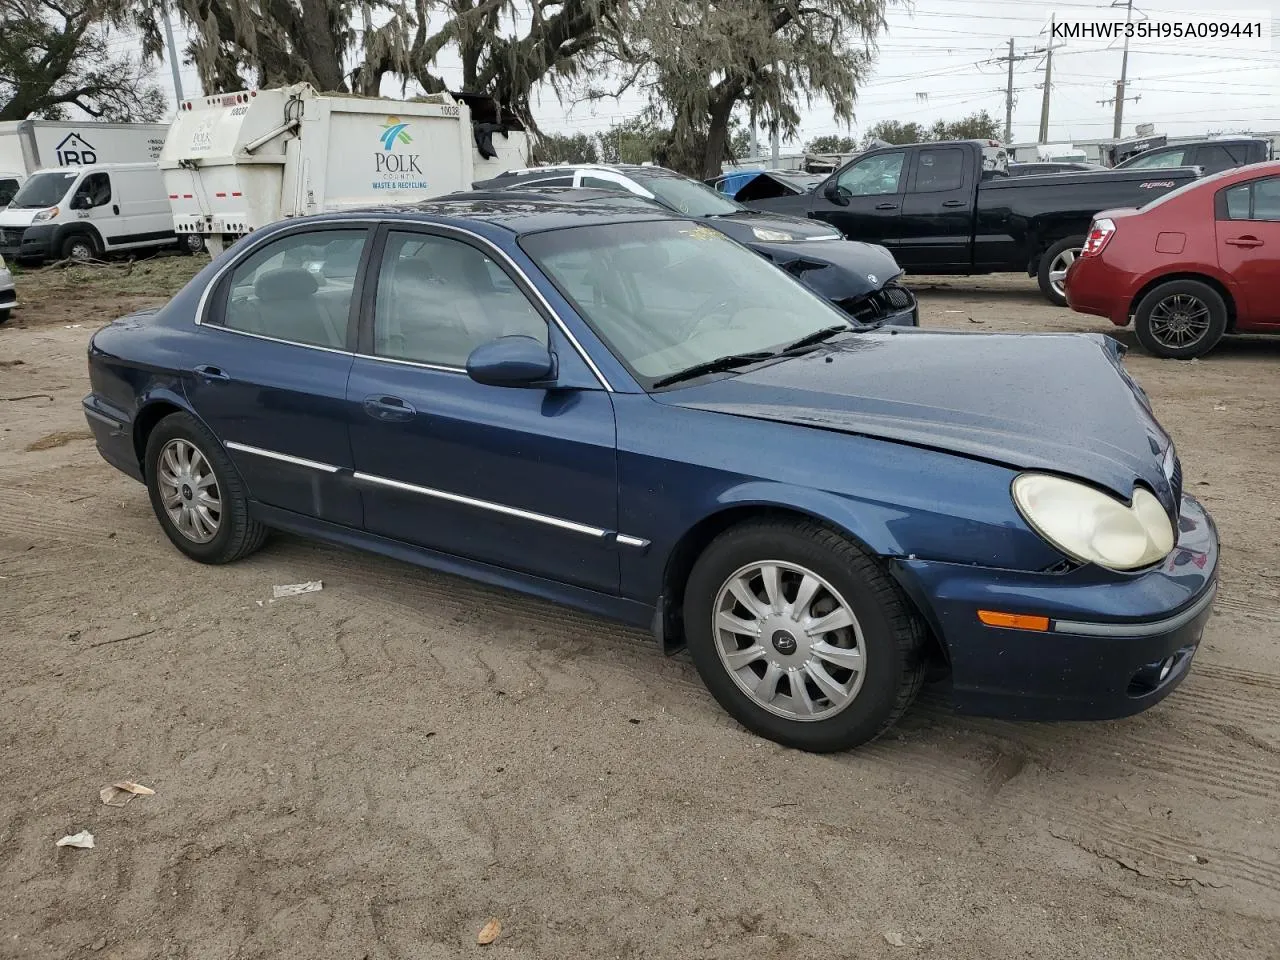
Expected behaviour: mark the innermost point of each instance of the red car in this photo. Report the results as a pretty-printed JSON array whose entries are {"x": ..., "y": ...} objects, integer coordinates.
[{"x": 1189, "y": 267}]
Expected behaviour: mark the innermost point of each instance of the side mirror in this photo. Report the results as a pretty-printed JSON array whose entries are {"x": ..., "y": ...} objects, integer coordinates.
[
  {"x": 835, "y": 194},
  {"x": 517, "y": 361}
]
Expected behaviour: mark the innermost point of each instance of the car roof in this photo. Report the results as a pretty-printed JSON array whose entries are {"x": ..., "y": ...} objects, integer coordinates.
[
  {"x": 630, "y": 169},
  {"x": 514, "y": 213},
  {"x": 559, "y": 194}
]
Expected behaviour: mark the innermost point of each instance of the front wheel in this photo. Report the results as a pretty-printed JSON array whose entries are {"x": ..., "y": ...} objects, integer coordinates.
[
  {"x": 1180, "y": 319},
  {"x": 4, "y": 315},
  {"x": 196, "y": 493},
  {"x": 1052, "y": 274},
  {"x": 801, "y": 636},
  {"x": 79, "y": 247}
]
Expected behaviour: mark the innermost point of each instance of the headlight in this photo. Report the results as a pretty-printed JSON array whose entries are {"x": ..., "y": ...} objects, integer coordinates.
[
  {"x": 45, "y": 215},
  {"x": 771, "y": 236},
  {"x": 1092, "y": 526}
]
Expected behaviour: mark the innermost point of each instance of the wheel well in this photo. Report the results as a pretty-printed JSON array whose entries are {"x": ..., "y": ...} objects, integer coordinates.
[
  {"x": 1199, "y": 278},
  {"x": 698, "y": 538},
  {"x": 78, "y": 229},
  {"x": 145, "y": 422}
]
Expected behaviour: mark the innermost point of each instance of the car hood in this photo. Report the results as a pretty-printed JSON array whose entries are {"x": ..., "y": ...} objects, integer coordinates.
[
  {"x": 21, "y": 217},
  {"x": 1055, "y": 402},
  {"x": 835, "y": 270},
  {"x": 740, "y": 226}
]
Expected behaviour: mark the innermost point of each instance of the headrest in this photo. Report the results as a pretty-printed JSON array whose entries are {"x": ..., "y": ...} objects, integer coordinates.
[{"x": 285, "y": 284}]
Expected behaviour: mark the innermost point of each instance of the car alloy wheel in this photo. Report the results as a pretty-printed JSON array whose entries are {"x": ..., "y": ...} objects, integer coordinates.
[
  {"x": 1179, "y": 321},
  {"x": 789, "y": 640},
  {"x": 80, "y": 250},
  {"x": 1058, "y": 268},
  {"x": 189, "y": 491}
]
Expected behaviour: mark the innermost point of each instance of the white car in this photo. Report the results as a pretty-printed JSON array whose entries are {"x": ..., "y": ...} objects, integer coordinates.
[{"x": 8, "y": 296}]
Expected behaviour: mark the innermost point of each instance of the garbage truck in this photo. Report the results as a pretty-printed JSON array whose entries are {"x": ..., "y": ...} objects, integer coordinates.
[
  {"x": 30, "y": 145},
  {"x": 235, "y": 162}
]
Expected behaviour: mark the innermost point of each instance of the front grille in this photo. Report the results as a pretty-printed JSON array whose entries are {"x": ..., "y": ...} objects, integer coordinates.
[
  {"x": 11, "y": 236},
  {"x": 878, "y": 304}
]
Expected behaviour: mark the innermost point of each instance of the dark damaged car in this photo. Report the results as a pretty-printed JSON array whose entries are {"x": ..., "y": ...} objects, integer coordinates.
[
  {"x": 862, "y": 279},
  {"x": 626, "y": 412}
]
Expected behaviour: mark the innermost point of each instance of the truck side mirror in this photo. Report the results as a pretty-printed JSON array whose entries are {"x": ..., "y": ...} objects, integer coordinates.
[{"x": 833, "y": 193}]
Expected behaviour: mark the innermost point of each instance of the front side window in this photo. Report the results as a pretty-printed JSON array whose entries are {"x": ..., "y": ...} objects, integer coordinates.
[
  {"x": 1159, "y": 159},
  {"x": 94, "y": 191},
  {"x": 668, "y": 295},
  {"x": 440, "y": 298},
  {"x": 873, "y": 176},
  {"x": 8, "y": 189},
  {"x": 298, "y": 288},
  {"x": 940, "y": 170}
]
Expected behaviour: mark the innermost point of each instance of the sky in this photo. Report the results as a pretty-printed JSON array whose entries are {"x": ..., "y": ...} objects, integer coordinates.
[{"x": 937, "y": 60}]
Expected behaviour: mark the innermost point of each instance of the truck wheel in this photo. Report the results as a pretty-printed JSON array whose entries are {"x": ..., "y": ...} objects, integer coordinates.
[
  {"x": 1180, "y": 319},
  {"x": 1053, "y": 269},
  {"x": 801, "y": 636},
  {"x": 4, "y": 315},
  {"x": 191, "y": 243},
  {"x": 79, "y": 246}
]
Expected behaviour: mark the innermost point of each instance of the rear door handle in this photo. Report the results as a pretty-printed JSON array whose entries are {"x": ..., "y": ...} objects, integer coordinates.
[
  {"x": 1244, "y": 241},
  {"x": 210, "y": 372},
  {"x": 886, "y": 206},
  {"x": 382, "y": 407},
  {"x": 953, "y": 203}
]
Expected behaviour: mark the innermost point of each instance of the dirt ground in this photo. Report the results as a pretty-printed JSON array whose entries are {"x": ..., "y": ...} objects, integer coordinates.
[{"x": 375, "y": 770}]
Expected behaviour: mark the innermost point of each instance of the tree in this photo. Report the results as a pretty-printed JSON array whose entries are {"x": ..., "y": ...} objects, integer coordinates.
[
  {"x": 637, "y": 140},
  {"x": 831, "y": 143},
  {"x": 566, "y": 148},
  {"x": 894, "y": 131},
  {"x": 976, "y": 126},
  {"x": 55, "y": 55},
  {"x": 701, "y": 60}
]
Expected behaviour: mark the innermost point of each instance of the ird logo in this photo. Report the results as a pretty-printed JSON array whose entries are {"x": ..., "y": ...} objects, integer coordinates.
[
  {"x": 394, "y": 131},
  {"x": 75, "y": 151}
]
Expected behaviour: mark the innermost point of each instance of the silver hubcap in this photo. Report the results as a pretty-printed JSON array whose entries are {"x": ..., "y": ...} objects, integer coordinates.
[
  {"x": 189, "y": 491},
  {"x": 81, "y": 251},
  {"x": 1179, "y": 321},
  {"x": 1058, "y": 270},
  {"x": 789, "y": 640}
]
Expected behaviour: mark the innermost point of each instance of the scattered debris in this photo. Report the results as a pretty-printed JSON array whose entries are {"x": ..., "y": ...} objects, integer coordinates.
[
  {"x": 1218, "y": 406},
  {"x": 971, "y": 320},
  {"x": 81, "y": 841},
  {"x": 489, "y": 932},
  {"x": 118, "y": 794},
  {"x": 132, "y": 636},
  {"x": 294, "y": 589},
  {"x": 894, "y": 939},
  {"x": 98, "y": 944},
  {"x": 29, "y": 396}
]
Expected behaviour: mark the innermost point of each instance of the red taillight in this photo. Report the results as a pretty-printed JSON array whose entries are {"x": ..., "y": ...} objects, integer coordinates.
[{"x": 1100, "y": 234}]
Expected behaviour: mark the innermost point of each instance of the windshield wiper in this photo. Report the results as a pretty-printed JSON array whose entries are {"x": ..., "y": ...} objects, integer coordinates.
[
  {"x": 826, "y": 333},
  {"x": 718, "y": 365}
]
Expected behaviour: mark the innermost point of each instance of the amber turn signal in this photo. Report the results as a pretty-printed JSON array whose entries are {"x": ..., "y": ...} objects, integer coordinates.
[{"x": 1013, "y": 621}]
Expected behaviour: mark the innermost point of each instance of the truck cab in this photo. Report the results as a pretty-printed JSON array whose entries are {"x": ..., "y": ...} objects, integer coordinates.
[
  {"x": 1211, "y": 156},
  {"x": 87, "y": 212}
]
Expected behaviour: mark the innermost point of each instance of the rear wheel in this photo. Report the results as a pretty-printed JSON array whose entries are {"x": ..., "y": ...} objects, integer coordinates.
[
  {"x": 1054, "y": 264},
  {"x": 191, "y": 243},
  {"x": 196, "y": 493},
  {"x": 4, "y": 315},
  {"x": 1181, "y": 319},
  {"x": 801, "y": 636},
  {"x": 79, "y": 246}
]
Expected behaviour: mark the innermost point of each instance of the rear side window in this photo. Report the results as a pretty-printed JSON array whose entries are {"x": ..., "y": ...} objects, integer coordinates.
[
  {"x": 298, "y": 288},
  {"x": 1216, "y": 158},
  {"x": 1255, "y": 200},
  {"x": 938, "y": 170}
]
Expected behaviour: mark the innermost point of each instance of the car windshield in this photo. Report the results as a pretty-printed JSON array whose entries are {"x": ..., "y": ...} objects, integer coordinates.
[
  {"x": 42, "y": 190},
  {"x": 690, "y": 197},
  {"x": 668, "y": 296}
]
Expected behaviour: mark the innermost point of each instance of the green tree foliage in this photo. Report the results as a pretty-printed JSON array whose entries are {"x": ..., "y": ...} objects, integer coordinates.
[
  {"x": 831, "y": 143},
  {"x": 894, "y": 131},
  {"x": 566, "y": 148},
  {"x": 55, "y": 54},
  {"x": 976, "y": 126}
]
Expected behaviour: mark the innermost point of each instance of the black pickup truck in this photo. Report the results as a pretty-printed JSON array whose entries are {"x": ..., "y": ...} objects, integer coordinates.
[{"x": 951, "y": 208}]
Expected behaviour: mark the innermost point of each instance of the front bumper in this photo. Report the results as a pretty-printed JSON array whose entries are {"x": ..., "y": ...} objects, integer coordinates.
[
  {"x": 26, "y": 243},
  {"x": 8, "y": 295},
  {"x": 1115, "y": 646}
]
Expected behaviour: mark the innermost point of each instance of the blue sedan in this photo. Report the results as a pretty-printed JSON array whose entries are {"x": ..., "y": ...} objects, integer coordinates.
[{"x": 627, "y": 412}]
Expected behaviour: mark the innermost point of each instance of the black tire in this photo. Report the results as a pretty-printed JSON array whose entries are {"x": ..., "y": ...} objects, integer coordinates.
[
  {"x": 238, "y": 534},
  {"x": 1155, "y": 341},
  {"x": 74, "y": 245},
  {"x": 191, "y": 243},
  {"x": 4, "y": 315},
  {"x": 892, "y": 634},
  {"x": 1046, "y": 264}
]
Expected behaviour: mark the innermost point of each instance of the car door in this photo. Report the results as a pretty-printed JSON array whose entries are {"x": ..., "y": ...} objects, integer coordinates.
[
  {"x": 1248, "y": 236},
  {"x": 94, "y": 201},
  {"x": 936, "y": 226},
  {"x": 269, "y": 368},
  {"x": 864, "y": 200},
  {"x": 519, "y": 477}
]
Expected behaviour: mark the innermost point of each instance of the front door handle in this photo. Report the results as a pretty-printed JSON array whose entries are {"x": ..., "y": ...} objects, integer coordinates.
[
  {"x": 1244, "y": 241},
  {"x": 382, "y": 407},
  {"x": 953, "y": 203},
  {"x": 886, "y": 206},
  {"x": 209, "y": 372}
]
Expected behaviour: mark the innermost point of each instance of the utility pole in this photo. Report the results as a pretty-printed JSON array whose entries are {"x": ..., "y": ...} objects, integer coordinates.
[
  {"x": 1124, "y": 72},
  {"x": 174, "y": 63},
  {"x": 1048, "y": 83},
  {"x": 1008, "y": 100}
]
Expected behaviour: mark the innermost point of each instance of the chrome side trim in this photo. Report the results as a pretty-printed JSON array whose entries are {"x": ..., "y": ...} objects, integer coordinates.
[
  {"x": 282, "y": 457},
  {"x": 442, "y": 227},
  {"x": 1149, "y": 629},
  {"x": 629, "y": 541},
  {"x": 443, "y": 368},
  {"x": 570, "y": 525},
  {"x": 291, "y": 343}
]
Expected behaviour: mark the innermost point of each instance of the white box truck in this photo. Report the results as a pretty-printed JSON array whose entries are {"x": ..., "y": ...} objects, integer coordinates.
[
  {"x": 30, "y": 145},
  {"x": 235, "y": 162}
]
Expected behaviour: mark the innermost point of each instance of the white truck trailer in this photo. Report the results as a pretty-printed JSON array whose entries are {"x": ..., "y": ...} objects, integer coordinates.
[
  {"x": 30, "y": 145},
  {"x": 235, "y": 162}
]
